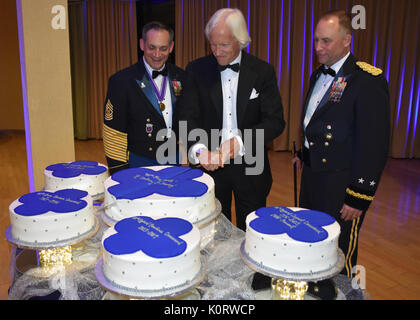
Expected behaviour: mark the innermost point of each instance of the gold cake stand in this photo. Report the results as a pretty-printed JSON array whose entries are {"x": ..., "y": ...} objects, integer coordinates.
[
  {"x": 291, "y": 286},
  {"x": 50, "y": 256}
]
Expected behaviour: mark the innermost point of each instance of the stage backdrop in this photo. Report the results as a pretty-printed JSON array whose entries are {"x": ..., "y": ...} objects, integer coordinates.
[
  {"x": 282, "y": 34},
  {"x": 103, "y": 38}
]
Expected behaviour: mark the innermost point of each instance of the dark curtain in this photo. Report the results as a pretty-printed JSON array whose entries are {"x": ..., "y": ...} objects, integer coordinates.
[{"x": 103, "y": 40}]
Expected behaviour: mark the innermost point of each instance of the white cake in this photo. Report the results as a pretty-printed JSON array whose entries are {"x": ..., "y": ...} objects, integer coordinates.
[
  {"x": 48, "y": 217},
  {"x": 142, "y": 253},
  {"x": 161, "y": 191},
  {"x": 83, "y": 175},
  {"x": 292, "y": 240}
]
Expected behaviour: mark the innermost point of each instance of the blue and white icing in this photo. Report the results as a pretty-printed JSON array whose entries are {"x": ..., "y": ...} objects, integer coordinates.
[
  {"x": 137, "y": 183},
  {"x": 158, "y": 238},
  {"x": 304, "y": 225},
  {"x": 76, "y": 168},
  {"x": 62, "y": 201}
]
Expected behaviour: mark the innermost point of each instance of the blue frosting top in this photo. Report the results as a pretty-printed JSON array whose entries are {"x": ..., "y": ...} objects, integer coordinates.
[
  {"x": 137, "y": 183},
  {"x": 303, "y": 225},
  {"x": 76, "y": 168},
  {"x": 62, "y": 201},
  {"x": 156, "y": 238}
]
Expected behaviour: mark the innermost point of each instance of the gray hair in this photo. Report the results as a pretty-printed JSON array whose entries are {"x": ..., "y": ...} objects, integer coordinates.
[{"x": 235, "y": 20}]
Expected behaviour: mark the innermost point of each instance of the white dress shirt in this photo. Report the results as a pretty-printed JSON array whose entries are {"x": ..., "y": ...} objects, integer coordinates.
[
  {"x": 321, "y": 87},
  {"x": 230, "y": 129},
  {"x": 167, "y": 113}
]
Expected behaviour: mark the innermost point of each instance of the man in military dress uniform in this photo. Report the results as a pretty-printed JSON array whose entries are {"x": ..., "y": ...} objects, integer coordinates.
[
  {"x": 346, "y": 129},
  {"x": 140, "y": 102}
]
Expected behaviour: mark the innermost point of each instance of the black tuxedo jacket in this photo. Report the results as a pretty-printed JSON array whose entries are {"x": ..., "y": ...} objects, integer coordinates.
[
  {"x": 352, "y": 131},
  {"x": 132, "y": 117},
  {"x": 202, "y": 104}
]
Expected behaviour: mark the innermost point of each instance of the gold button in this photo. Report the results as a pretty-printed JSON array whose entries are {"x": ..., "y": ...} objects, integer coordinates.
[
  {"x": 311, "y": 144},
  {"x": 324, "y": 160},
  {"x": 326, "y": 143},
  {"x": 148, "y": 120},
  {"x": 328, "y": 136},
  {"x": 329, "y": 127},
  {"x": 150, "y": 149},
  {"x": 149, "y": 135}
]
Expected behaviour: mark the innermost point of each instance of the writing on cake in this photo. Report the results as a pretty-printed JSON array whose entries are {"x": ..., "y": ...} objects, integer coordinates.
[
  {"x": 302, "y": 225},
  {"x": 292, "y": 220},
  {"x": 76, "y": 168},
  {"x": 157, "y": 238},
  {"x": 67, "y": 200},
  {"x": 155, "y": 179},
  {"x": 137, "y": 183}
]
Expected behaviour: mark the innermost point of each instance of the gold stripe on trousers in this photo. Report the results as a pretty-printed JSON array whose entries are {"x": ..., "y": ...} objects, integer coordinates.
[{"x": 352, "y": 246}]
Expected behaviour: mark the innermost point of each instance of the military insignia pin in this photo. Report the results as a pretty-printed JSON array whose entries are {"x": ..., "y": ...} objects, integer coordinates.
[
  {"x": 109, "y": 111},
  {"x": 149, "y": 127},
  {"x": 177, "y": 87},
  {"x": 337, "y": 89},
  {"x": 142, "y": 85}
]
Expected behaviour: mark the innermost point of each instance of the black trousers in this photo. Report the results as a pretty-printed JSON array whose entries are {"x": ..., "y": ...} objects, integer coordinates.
[
  {"x": 325, "y": 191},
  {"x": 248, "y": 195}
]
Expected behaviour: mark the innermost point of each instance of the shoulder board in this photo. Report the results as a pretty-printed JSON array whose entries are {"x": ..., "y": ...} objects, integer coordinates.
[{"x": 369, "y": 68}]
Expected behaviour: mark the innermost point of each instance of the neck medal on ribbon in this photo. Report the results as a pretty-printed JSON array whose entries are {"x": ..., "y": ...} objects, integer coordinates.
[{"x": 159, "y": 94}]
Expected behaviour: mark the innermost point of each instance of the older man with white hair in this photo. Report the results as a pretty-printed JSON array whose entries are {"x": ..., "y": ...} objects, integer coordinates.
[{"x": 235, "y": 95}]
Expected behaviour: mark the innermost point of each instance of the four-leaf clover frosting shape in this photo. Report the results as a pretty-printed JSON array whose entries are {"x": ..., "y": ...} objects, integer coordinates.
[
  {"x": 62, "y": 201},
  {"x": 76, "y": 168},
  {"x": 303, "y": 225},
  {"x": 158, "y": 238},
  {"x": 137, "y": 183}
]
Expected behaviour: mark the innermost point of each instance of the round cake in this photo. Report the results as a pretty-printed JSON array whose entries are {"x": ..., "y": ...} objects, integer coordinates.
[
  {"x": 44, "y": 217},
  {"x": 160, "y": 191},
  {"x": 142, "y": 253},
  {"x": 292, "y": 240},
  {"x": 83, "y": 175}
]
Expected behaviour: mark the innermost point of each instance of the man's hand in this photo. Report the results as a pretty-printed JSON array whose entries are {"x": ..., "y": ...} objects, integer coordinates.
[
  {"x": 348, "y": 213},
  {"x": 228, "y": 150},
  {"x": 209, "y": 160},
  {"x": 299, "y": 163}
]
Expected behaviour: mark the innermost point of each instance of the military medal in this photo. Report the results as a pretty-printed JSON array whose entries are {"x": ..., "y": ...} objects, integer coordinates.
[
  {"x": 160, "y": 94},
  {"x": 337, "y": 89},
  {"x": 177, "y": 87}
]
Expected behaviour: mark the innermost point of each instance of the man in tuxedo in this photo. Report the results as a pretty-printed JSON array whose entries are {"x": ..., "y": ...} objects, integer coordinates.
[
  {"x": 140, "y": 107},
  {"x": 229, "y": 94},
  {"x": 346, "y": 129}
]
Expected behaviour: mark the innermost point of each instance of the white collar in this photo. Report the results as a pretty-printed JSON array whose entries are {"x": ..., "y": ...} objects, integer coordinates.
[
  {"x": 337, "y": 66},
  {"x": 238, "y": 58}
]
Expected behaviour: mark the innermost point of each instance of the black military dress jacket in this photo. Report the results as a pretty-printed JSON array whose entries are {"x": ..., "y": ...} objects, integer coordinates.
[
  {"x": 351, "y": 128},
  {"x": 132, "y": 117}
]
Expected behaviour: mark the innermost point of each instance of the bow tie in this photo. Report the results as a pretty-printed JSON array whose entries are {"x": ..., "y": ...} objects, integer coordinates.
[
  {"x": 234, "y": 67},
  {"x": 329, "y": 71},
  {"x": 163, "y": 72}
]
